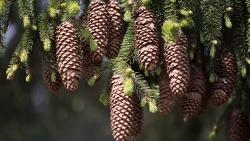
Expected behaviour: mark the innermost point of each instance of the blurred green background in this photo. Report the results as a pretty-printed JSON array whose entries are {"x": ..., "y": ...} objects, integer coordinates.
[{"x": 28, "y": 112}]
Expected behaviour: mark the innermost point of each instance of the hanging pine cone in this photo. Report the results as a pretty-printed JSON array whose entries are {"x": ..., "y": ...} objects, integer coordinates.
[
  {"x": 206, "y": 97},
  {"x": 191, "y": 104},
  {"x": 197, "y": 81},
  {"x": 88, "y": 66},
  {"x": 53, "y": 87},
  {"x": 126, "y": 113},
  {"x": 226, "y": 83},
  {"x": 98, "y": 27},
  {"x": 197, "y": 85},
  {"x": 146, "y": 38},
  {"x": 167, "y": 99},
  {"x": 239, "y": 127},
  {"x": 115, "y": 28},
  {"x": 177, "y": 64},
  {"x": 69, "y": 55}
]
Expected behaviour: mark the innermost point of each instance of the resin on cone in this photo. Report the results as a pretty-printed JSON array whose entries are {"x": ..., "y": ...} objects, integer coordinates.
[
  {"x": 98, "y": 26},
  {"x": 146, "y": 38},
  {"x": 126, "y": 114},
  {"x": 69, "y": 55},
  {"x": 115, "y": 28},
  {"x": 177, "y": 64}
]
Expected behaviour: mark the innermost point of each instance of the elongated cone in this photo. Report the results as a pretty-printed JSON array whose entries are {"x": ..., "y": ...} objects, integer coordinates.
[
  {"x": 191, "y": 105},
  {"x": 69, "y": 55},
  {"x": 206, "y": 97},
  {"x": 115, "y": 28},
  {"x": 89, "y": 67},
  {"x": 239, "y": 127},
  {"x": 226, "y": 83},
  {"x": 126, "y": 114},
  {"x": 177, "y": 64},
  {"x": 196, "y": 91},
  {"x": 167, "y": 99},
  {"x": 98, "y": 26},
  {"x": 53, "y": 87},
  {"x": 146, "y": 38}
]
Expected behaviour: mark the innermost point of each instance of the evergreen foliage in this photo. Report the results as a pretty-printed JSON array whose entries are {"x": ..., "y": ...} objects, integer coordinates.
[{"x": 210, "y": 26}]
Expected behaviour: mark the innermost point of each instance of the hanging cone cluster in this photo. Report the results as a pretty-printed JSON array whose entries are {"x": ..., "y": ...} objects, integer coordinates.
[
  {"x": 53, "y": 87},
  {"x": 166, "y": 100},
  {"x": 98, "y": 26},
  {"x": 177, "y": 64},
  {"x": 226, "y": 83},
  {"x": 115, "y": 28},
  {"x": 146, "y": 38},
  {"x": 88, "y": 66},
  {"x": 126, "y": 114},
  {"x": 192, "y": 102},
  {"x": 239, "y": 126},
  {"x": 69, "y": 55}
]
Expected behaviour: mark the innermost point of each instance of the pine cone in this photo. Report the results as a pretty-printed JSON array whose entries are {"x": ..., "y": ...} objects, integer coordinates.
[
  {"x": 126, "y": 113},
  {"x": 146, "y": 38},
  {"x": 206, "y": 97},
  {"x": 177, "y": 64},
  {"x": 98, "y": 26},
  {"x": 53, "y": 87},
  {"x": 239, "y": 127},
  {"x": 89, "y": 67},
  {"x": 191, "y": 104},
  {"x": 69, "y": 55},
  {"x": 115, "y": 28},
  {"x": 226, "y": 83},
  {"x": 197, "y": 81},
  {"x": 167, "y": 99}
]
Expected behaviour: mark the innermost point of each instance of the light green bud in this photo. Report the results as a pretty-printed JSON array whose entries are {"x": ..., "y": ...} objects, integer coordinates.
[
  {"x": 127, "y": 16},
  {"x": 128, "y": 87},
  {"x": 53, "y": 77},
  {"x": 28, "y": 78},
  {"x": 145, "y": 2},
  {"x": 23, "y": 56},
  {"x": 143, "y": 102},
  {"x": 46, "y": 43},
  {"x": 73, "y": 8},
  {"x": 152, "y": 107},
  {"x": 26, "y": 21}
]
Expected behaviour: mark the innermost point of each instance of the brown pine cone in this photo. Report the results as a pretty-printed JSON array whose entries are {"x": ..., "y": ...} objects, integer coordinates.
[
  {"x": 177, "y": 64},
  {"x": 89, "y": 67},
  {"x": 115, "y": 28},
  {"x": 191, "y": 104},
  {"x": 69, "y": 55},
  {"x": 239, "y": 126},
  {"x": 146, "y": 38},
  {"x": 197, "y": 81},
  {"x": 98, "y": 27},
  {"x": 126, "y": 114},
  {"x": 53, "y": 87},
  {"x": 167, "y": 99},
  {"x": 224, "y": 86}
]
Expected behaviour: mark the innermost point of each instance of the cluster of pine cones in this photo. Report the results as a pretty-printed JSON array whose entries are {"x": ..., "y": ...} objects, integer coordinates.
[
  {"x": 74, "y": 57},
  {"x": 178, "y": 77}
]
